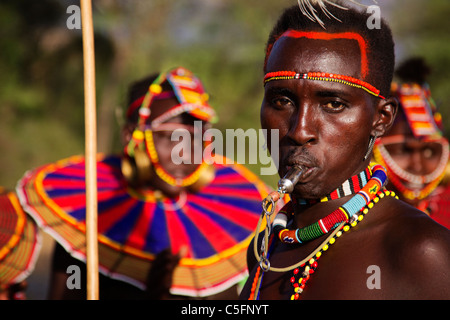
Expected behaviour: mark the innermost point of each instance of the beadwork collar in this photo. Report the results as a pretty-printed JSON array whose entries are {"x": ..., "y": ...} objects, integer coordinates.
[
  {"x": 349, "y": 187},
  {"x": 346, "y": 212}
]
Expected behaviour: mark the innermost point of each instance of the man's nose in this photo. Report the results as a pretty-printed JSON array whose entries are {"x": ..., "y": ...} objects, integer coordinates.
[{"x": 304, "y": 126}]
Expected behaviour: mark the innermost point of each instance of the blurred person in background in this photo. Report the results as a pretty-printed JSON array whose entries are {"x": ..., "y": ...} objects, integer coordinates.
[
  {"x": 166, "y": 230},
  {"x": 414, "y": 151}
]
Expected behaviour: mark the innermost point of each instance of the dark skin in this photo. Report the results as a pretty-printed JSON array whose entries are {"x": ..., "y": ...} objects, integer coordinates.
[
  {"x": 164, "y": 145},
  {"x": 413, "y": 155},
  {"x": 326, "y": 127},
  {"x": 159, "y": 278}
]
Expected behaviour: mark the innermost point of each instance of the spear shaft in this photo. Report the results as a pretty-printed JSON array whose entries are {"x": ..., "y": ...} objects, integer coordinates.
[{"x": 90, "y": 150}]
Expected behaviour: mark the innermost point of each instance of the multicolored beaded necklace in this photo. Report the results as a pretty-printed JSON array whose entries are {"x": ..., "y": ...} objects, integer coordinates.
[
  {"x": 349, "y": 187},
  {"x": 342, "y": 219}
]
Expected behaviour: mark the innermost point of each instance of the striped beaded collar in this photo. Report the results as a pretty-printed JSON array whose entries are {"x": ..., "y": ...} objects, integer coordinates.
[{"x": 349, "y": 187}]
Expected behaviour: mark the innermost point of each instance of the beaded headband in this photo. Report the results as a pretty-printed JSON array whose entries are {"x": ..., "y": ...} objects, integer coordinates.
[
  {"x": 187, "y": 89},
  {"x": 419, "y": 108},
  {"x": 325, "y": 76}
]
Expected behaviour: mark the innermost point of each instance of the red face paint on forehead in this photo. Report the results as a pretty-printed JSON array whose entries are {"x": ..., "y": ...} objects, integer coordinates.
[{"x": 330, "y": 36}]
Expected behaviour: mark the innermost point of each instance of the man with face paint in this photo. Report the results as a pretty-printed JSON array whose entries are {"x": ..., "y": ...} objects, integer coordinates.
[
  {"x": 343, "y": 235},
  {"x": 414, "y": 151}
]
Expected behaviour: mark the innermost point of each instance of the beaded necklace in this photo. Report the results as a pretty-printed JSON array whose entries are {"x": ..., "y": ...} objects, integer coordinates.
[
  {"x": 328, "y": 223},
  {"x": 395, "y": 173},
  {"x": 302, "y": 272},
  {"x": 343, "y": 218},
  {"x": 349, "y": 187},
  {"x": 162, "y": 173}
]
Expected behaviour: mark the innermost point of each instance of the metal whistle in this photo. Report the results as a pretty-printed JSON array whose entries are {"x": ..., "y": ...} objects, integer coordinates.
[{"x": 288, "y": 182}]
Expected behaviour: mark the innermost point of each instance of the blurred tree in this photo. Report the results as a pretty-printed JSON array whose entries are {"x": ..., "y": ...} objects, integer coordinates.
[{"x": 42, "y": 113}]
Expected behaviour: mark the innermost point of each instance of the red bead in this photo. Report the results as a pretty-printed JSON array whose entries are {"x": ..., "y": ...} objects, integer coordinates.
[
  {"x": 296, "y": 270},
  {"x": 292, "y": 279}
]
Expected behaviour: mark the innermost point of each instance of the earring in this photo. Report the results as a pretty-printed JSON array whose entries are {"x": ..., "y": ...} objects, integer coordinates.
[
  {"x": 370, "y": 147},
  {"x": 128, "y": 168},
  {"x": 137, "y": 170}
]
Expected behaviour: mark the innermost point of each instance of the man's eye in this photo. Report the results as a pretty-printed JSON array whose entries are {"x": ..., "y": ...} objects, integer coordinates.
[
  {"x": 335, "y": 105},
  {"x": 281, "y": 102}
]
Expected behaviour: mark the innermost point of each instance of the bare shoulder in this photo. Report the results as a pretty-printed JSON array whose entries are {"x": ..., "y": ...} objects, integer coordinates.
[{"x": 419, "y": 251}]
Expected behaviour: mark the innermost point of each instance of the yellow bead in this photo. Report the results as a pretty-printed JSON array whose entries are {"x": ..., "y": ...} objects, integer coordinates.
[
  {"x": 346, "y": 228},
  {"x": 155, "y": 88},
  {"x": 311, "y": 261},
  {"x": 360, "y": 217},
  {"x": 376, "y": 199},
  {"x": 332, "y": 240},
  {"x": 354, "y": 223},
  {"x": 293, "y": 297},
  {"x": 338, "y": 234},
  {"x": 325, "y": 247},
  {"x": 138, "y": 135},
  {"x": 318, "y": 254},
  {"x": 370, "y": 205},
  {"x": 205, "y": 96},
  {"x": 365, "y": 211}
]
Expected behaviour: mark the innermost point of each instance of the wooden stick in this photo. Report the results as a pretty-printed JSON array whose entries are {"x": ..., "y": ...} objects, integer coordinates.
[{"x": 90, "y": 150}]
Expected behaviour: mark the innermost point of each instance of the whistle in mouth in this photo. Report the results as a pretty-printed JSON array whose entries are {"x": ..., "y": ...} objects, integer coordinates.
[{"x": 287, "y": 184}]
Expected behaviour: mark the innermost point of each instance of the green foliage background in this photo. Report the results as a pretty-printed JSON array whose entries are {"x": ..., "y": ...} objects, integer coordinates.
[{"x": 222, "y": 41}]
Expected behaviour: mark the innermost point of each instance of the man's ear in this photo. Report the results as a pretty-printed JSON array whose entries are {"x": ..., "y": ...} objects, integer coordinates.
[{"x": 385, "y": 116}]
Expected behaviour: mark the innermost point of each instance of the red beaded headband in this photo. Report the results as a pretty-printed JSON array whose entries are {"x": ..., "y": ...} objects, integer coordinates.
[{"x": 323, "y": 76}]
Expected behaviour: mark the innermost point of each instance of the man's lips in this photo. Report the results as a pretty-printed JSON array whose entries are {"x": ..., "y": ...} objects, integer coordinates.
[{"x": 308, "y": 171}]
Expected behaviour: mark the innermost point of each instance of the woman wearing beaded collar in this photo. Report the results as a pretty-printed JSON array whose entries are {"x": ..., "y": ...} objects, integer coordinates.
[
  {"x": 327, "y": 92},
  {"x": 414, "y": 151},
  {"x": 166, "y": 230}
]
